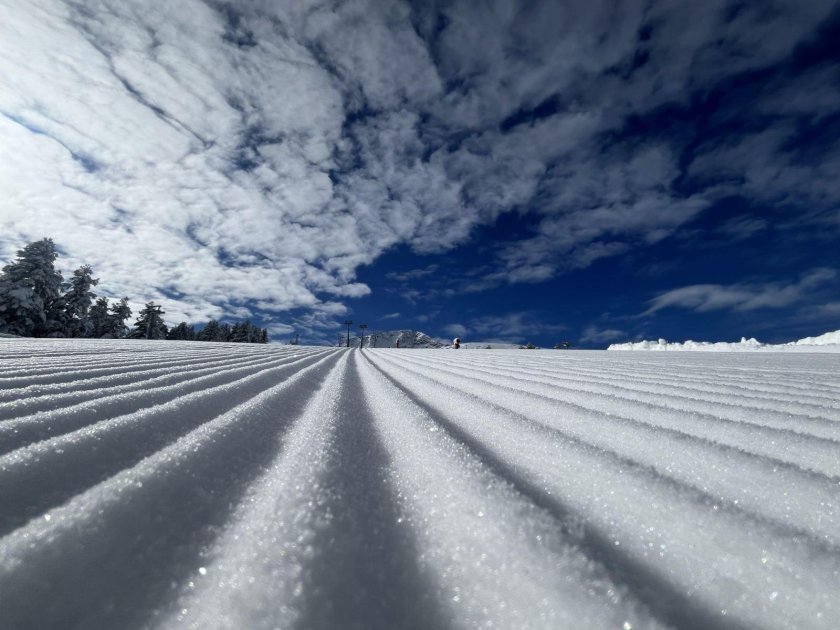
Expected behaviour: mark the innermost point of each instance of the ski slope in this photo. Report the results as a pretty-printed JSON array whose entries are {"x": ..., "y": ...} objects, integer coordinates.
[{"x": 201, "y": 485}]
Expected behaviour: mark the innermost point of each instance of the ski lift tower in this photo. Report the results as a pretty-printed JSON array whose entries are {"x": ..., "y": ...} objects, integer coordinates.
[
  {"x": 362, "y": 337},
  {"x": 348, "y": 323}
]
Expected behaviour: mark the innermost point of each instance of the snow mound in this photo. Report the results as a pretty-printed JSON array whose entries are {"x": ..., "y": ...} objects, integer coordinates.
[
  {"x": 829, "y": 342},
  {"x": 664, "y": 345},
  {"x": 828, "y": 339}
]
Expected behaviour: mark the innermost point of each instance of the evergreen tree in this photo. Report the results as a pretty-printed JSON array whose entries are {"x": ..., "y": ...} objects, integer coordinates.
[
  {"x": 149, "y": 324},
  {"x": 30, "y": 292},
  {"x": 182, "y": 332},
  {"x": 176, "y": 332},
  {"x": 58, "y": 323},
  {"x": 239, "y": 332},
  {"x": 115, "y": 326},
  {"x": 77, "y": 302},
  {"x": 254, "y": 333},
  {"x": 209, "y": 332},
  {"x": 264, "y": 336},
  {"x": 225, "y": 332},
  {"x": 98, "y": 318}
]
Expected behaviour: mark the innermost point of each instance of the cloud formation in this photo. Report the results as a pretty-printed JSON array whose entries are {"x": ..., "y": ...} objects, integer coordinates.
[
  {"x": 514, "y": 327},
  {"x": 741, "y": 296},
  {"x": 227, "y": 157},
  {"x": 594, "y": 335}
]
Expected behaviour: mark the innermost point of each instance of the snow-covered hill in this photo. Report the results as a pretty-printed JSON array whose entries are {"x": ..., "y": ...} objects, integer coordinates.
[
  {"x": 417, "y": 339},
  {"x": 489, "y": 345},
  {"x": 827, "y": 339},
  {"x": 188, "y": 485},
  {"x": 406, "y": 339},
  {"x": 829, "y": 342}
]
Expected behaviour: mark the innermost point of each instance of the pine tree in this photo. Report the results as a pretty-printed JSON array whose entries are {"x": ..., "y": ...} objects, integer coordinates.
[
  {"x": 30, "y": 292},
  {"x": 239, "y": 332},
  {"x": 98, "y": 318},
  {"x": 209, "y": 332},
  {"x": 264, "y": 336},
  {"x": 225, "y": 332},
  {"x": 115, "y": 326},
  {"x": 182, "y": 332},
  {"x": 149, "y": 324},
  {"x": 77, "y": 302}
]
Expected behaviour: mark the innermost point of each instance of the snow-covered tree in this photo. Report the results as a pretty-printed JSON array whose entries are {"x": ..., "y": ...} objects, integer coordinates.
[
  {"x": 149, "y": 324},
  {"x": 245, "y": 332},
  {"x": 98, "y": 318},
  {"x": 239, "y": 332},
  {"x": 115, "y": 325},
  {"x": 225, "y": 331},
  {"x": 256, "y": 334},
  {"x": 77, "y": 302},
  {"x": 30, "y": 292},
  {"x": 182, "y": 332},
  {"x": 209, "y": 332}
]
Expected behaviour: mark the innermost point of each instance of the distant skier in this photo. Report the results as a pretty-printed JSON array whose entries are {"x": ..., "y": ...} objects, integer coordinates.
[{"x": 456, "y": 343}]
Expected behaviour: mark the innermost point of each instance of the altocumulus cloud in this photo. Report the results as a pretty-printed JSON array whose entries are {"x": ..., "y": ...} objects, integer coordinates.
[{"x": 253, "y": 155}]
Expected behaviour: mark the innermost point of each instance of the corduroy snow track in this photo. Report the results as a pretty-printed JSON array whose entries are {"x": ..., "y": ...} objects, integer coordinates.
[{"x": 201, "y": 485}]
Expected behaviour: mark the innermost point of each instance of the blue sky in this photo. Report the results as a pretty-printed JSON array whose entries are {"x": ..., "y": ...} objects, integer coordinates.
[{"x": 531, "y": 171}]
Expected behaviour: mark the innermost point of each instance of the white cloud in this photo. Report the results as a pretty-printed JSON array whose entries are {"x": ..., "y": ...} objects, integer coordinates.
[
  {"x": 256, "y": 156},
  {"x": 413, "y": 274},
  {"x": 741, "y": 296},
  {"x": 122, "y": 130},
  {"x": 511, "y": 327},
  {"x": 743, "y": 227},
  {"x": 456, "y": 330},
  {"x": 593, "y": 334}
]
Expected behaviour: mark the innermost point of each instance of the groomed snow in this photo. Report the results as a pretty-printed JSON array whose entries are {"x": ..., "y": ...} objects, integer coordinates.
[{"x": 200, "y": 485}]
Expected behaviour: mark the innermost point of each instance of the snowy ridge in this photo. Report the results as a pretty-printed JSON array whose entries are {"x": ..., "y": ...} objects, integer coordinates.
[
  {"x": 186, "y": 485},
  {"x": 829, "y": 342},
  {"x": 390, "y": 339},
  {"x": 418, "y": 339},
  {"x": 490, "y": 345},
  {"x": 827, "y": 339}
]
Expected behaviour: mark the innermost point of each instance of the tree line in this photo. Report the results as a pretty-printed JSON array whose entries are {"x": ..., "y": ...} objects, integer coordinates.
[{"x": 36, "y": 301}]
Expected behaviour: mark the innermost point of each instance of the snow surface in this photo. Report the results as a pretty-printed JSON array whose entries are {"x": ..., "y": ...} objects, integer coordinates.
[
  {"x": 829, "y": 342},
  {"x": 163, "y": 484}
]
